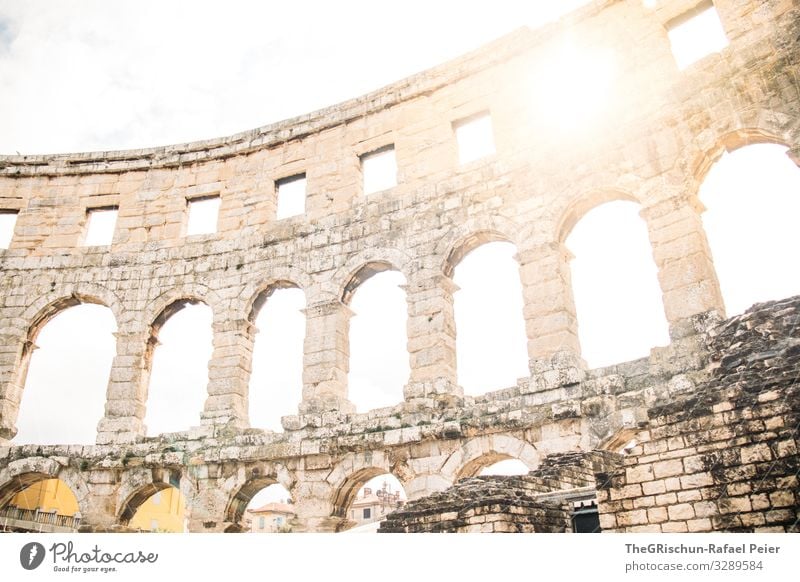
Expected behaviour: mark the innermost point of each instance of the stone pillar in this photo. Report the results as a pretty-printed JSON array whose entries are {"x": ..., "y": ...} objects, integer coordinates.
[
  {"x": 10, "y": 395},
  {"x": 229, "y": 373},
  {"x": 431, "y": 339},
  {"x": 15, "y": 352},
  {"x": 313, "y": 507},
  {"x": 326, "y": 358},
  {"x": 98, "y": 510},
  {"x": 205, "y": 511},
  {"x": 126, "y": 396},
  {"x": 685, "y": 269},
  {"x": 549, "y": 308}
]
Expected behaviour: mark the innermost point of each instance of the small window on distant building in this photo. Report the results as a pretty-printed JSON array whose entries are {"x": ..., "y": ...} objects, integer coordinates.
[
  {"x": 100, "y": 226},
  {"x": 261, "y": 522},
  {"x": 367, "y": 513},
  {"x": 153, "y": 525},
  {"x": 474, "y": 137},
  {"x": 379, "y": 169},
  {"x": 203, "y": 215},
  {"x": 8, "y": 220},
  {"x": 278, "y": 520},
  {"x": 291, "y": 194},
  {"x": 695, "y": 34},
  {"x": 156, "y": 498}
]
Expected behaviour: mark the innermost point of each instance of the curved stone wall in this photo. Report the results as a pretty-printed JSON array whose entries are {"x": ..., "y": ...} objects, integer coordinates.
[{"x": 652, "y": 143}]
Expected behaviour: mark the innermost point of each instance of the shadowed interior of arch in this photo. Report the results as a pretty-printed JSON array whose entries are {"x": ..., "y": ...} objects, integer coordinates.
[
  {"x": 491, "y": 342},
  {"x": 67, "y": 375},
  {"x": 379, "y": 362},
  {"x": 182, "y": 344},
  {"x": 38, "y": 502},
  {"x": 752, "y": 200},
  {"x": 276, "y": 381}
]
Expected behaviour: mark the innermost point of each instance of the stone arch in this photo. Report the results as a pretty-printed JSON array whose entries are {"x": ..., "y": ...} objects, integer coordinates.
[
  {"x": 750, "y": 273},
  {"x": 46, "y": 307},
  {"x": 750, "y": 127},
  {"x": 139, "y": 484},
  {"x": 173, "y": 300},
  {"x": 255, "y": 367},
  {"x": 157, "y": 321},
  {"x": 465, "y": 238},
  {"x": 350, "y": 474},
  {"x": 581, "y": 205},
  {"x": 246, "y": 483},
  {"x": 366, "y": 264},
  {"x": 256, "y": 295},
  {"x": 170, "y": 303},
  {"x": 37, "y": 315},
  {"x": 22, "y": 473},
  {"x": 480, "y": 452}
]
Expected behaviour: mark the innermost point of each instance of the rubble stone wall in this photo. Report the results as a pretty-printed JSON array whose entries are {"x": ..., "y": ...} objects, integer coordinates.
[
  {"x": 725, "y": 457},
  {"x": 539, "y": 502}
]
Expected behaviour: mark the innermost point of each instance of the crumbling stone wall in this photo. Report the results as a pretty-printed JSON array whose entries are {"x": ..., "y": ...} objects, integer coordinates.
[
  {"x": 725, "y": 457},
  {"x": 653, "y": 143},
  {"x": 539, "y": 502},
  {"x": 493, "y": 504}
]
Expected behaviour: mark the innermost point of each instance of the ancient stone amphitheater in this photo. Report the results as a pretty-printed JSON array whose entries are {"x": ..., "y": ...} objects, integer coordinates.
[{"x": 714, "y": 414}]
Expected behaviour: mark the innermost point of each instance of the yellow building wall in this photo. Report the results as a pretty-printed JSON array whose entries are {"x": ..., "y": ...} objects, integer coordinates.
[
  {"x": 163, "y": 512},
  {"x": 48, "y": 495}
]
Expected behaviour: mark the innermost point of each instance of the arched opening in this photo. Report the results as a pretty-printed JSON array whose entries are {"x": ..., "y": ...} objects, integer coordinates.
[
  {"x": 67, "y": 376},
  {"x": 493, "y": 463},
  {"x": 157, "y": 508},
  {"x": 181, "y": 343},
  {"x": 491, "y": 343},
  {"x": 366, "y": 499},
  {"x": 615, "y": 285},
  {"x": 260, "y": 508},
  {"x": 752, "y": 197},
  {"x": 276, "y": 382},
  {"x": 39, "y": 503},
  {"x": 506, "y": 467},
  {"x": 379, "y": 366}
]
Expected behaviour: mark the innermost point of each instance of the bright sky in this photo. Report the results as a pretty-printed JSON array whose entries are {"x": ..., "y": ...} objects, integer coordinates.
[{"x": 98, "y": 75}]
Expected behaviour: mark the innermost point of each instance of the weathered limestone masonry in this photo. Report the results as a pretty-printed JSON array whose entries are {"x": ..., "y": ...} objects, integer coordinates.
[
  {"x": 652, "y": 142},
  {"x": 725, "y": 455},
  {"x": 540, "y": 502},
  {"x": 721, "y": 457}
]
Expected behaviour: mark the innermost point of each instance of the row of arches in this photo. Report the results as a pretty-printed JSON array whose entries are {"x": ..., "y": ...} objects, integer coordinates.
[
  {"x": 259, "y": 502},
  {"x": 615, "y": 287}
]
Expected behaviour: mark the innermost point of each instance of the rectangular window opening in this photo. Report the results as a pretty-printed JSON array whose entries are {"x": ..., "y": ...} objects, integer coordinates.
[
  {"x": 379, "y": 169},
  {"x": 696, "y": 34},
  {"x": 474, "y": 137},
  {"x": 291, "y": 193},
  {"x": 367, "y": 513},
  {"x": 100, "y": 226},
  {"x": 8, "y": 220},
  {"x": 203, "y": 215}
]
